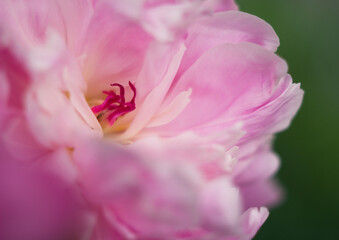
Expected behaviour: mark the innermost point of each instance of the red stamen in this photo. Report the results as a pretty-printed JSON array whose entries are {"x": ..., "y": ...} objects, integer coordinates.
[{"x": 115, "y": 105}]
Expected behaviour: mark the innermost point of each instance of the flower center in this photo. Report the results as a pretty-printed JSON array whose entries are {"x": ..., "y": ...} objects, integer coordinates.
[{"x": 115, "y": 105}]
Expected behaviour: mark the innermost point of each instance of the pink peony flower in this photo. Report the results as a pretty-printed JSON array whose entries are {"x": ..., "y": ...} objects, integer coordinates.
[{"x": 157, "y": 116}]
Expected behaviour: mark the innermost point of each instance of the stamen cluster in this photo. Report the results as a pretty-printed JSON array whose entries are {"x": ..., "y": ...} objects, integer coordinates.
[{"x": 115, "y": 105}]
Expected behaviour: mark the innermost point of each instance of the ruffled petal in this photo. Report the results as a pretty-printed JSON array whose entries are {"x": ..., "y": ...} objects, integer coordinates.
[
  {"x": 227, "y": 81},
  {"x": 261, "y": 193},
  {"x": 29, "y": 21},
  {"x": 277, "y": 113},
  {"x": 147, "y": 196},
  {"x": 260, "y": 165},
  {"x": 226, "y": 27},
  {"x": 253, "y": 219}
]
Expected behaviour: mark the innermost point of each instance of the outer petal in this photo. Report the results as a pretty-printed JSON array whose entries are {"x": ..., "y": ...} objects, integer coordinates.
[
  {"x": 252, "y": 174},
  {"x": 276, "y": 114},
  {"x": 161, "y": 196},
  {"x": 19, "y": 140},
  {"x": 259, "y": 193},
  {"x": 35, "y": 204},
  {"x": 230, "y": 27},
  {"x": 148, "y": 197},
  {"x": 227, "y": 81},
  {"x": 30, "y": 87},
  {"x": 15, "y": 80},
  {"x": 30, "y": 20},
  {"x": 214, "y": 155},
  {"x": 253, "y": 219},
  {"x": 226, "y": 5},
  {"x": 14, "y": 75},
  {"x": 220, "y": 203},
  {"x": 261, "y": 165},
  {"x": 168, "y": 20},
  {"x": 129, "y": 8},
  {"x": 226, "y": 27}
]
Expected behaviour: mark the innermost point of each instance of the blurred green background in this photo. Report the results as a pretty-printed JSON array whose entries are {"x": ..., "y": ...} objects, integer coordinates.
[{"x": 309, "y": 149}]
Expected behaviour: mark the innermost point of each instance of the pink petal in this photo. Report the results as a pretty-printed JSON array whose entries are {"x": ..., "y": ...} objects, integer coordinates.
[
  {"x": 276, "y": 114},
  {"x": 148, "y": 196},
  {"x": 30, "y": 21},
  {"x": 158, "y": 59},
  {"x": 114, "y": 49},
  {"x": 150, "y": 106},
  {"x": 226, "y": 5},
  {"x": 227, "y": 81},
  {"x": 52, "y": 118},
  {"x": 221, "y": 206},
  {"x": 35, "y": 204},
  {"x": 15, "y": 77},
  {"x": 171, "y": 110},
  {"x": 129, "y": 8},
  {"x": 261, "y": 193},
  {"x": 253, "y": 219},
  {"x": 167, "y": 20},
  {"x": 226, "y": 27},
  {"x": 260, "y": 165},
  {"x": 20, "y": 142}
]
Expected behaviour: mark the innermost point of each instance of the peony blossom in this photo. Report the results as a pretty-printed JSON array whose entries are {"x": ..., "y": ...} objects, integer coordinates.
[{"x": 144, "y": 119}]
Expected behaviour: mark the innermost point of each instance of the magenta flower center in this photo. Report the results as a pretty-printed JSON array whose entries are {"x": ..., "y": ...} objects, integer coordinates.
[{"x": 115, "y": 105}]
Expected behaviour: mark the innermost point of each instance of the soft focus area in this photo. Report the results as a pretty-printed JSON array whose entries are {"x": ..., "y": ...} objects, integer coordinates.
[{"x": 309, "y": 36}]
